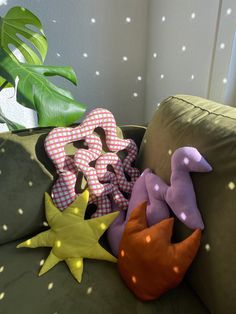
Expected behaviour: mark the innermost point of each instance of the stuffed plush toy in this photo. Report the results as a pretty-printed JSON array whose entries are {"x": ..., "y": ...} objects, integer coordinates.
[
  {"x": 71, "y": 237},
  {"x": 148, "y": 262},
  {"x": 179, "y": 196},
  {"x": 103, "y": 184}
]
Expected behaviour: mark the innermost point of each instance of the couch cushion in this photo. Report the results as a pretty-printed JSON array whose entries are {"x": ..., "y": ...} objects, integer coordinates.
[
  {"x": 101, "y": 290},
  {"x": 211, "y": 128}
]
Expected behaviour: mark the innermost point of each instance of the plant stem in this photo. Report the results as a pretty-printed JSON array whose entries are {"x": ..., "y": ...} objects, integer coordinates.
[{"x": 3, "y": 85}]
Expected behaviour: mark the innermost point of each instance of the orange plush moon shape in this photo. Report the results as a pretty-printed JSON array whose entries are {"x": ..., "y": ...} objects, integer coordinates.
[{"x": 148, "y": 262}]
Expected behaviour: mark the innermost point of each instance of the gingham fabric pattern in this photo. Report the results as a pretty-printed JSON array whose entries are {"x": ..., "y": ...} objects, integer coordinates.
[{"x": 103, "y": 184}]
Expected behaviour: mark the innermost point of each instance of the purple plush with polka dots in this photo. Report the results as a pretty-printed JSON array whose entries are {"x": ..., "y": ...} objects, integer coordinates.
[{"x": 179, "y": 196}]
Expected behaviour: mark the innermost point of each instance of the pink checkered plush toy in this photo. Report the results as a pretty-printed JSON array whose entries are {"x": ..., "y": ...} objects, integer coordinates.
[{"x": 105, "y": 186}]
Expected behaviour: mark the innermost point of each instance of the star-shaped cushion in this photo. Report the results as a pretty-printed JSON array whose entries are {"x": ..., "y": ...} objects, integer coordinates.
[
  {"x": 71, "y": 237},
  {"x": 148, "y": 262}
]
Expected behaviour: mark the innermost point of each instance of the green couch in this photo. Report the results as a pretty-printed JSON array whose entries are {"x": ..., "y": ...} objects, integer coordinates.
[{"x": 210, "y": 284}]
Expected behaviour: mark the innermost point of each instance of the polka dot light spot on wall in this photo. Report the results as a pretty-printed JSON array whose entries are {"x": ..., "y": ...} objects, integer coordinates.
[
  {"x": 128, "y": 19},
  {"x": 192, "y": 77},
  {"x": 154, "y": 55},
  {"x": 222, "y": 46},
  {"x": 97, "y": 73},
  {"x": 85, "y": 55},
  {"x": 89, "y": 290},
  {"x": 229, "y": 11},
  {"x": 193, "y": 15},
  {"x": 125, "y": 58},
  {"x": 207, "y": 247},
  {"x": 158, "y": 104},
  {"x": 0, "y": 172},
  {"x": 163, "y": 19},
  {"x": 54, "y": 21},
  {"x": 139, "y": 78},
  {"x": 2, "y": 150},
  {"x": 183, "y": 48},
  {"x": 58, "y": 54},
  {"x": 135, "y": 95},
  {"x": 169, "y": 152},
  {"x": 225, "y": 80},
  {"x": 30, "y": 183},
  {"x": 162, "y": 76},
  {"x": 93, "y": 20},
  {"x": 1, "y": 269},
  {"x": 2, "y": 295}
]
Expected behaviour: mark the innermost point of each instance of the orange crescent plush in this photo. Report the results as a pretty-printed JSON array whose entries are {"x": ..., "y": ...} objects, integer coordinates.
[{"x": 148, "y": 262}]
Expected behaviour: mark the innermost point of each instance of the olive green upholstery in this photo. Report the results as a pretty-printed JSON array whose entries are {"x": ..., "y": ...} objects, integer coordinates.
[
  {"x": 25, "y": 174},
  {"x": 211, "y": 128}
]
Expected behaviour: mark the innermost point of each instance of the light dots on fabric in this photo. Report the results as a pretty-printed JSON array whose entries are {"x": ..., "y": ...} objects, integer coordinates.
[
  {"x": 54, "y": 21},
  {"x": 169, "y": 152},
  {"x": 58, "y": 54},
  {"x": 58, "y": 244},
  {"x": 0, "y": 172},
  {"x": 186, "y": 160},
  {"x": 45, "y": 224},
  {"x": 145, "y": 141},
  {"x": 50, "y": 285},
  {"x": 134, "y": 279},
  {"x": 28, "y": 242},
  {"x": 231, "y": 185},
  {"x": 183, "y": 216},
  {"x": 78, "y": 264},
  {"x": 2, "y": 269},
  {"x": 103, "y": 226},
  {"x": 176, "y": 269},
  {"x": 139, "y": 78},
  {"x": 207, "y": 247},
  {"x": 122, "y": 253},
  {"x": 135, "y": 94},
  {"x": 30, "y": 184},
  {"x": 89, "y": 290},
  {"x": 20, "y": 211},
  {"x": 41, "y": 262},
  {"x": 5, "y": 227},
  {"x": 2, "y": 295},
  {"x": 3, "y": 150},
  {"x": 158, "y": 104},
  {"x": 156, "y": 187},
  {"x": 148, "y": 238}
]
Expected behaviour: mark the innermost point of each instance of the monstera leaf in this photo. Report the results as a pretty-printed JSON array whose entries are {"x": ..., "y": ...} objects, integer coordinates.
[
  {"x": 55, "y": 106},
  {"x": 21, "y": 29}
]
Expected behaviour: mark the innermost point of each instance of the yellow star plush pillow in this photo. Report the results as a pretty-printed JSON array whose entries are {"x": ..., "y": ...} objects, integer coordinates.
[{"x": 71, "y": 237}]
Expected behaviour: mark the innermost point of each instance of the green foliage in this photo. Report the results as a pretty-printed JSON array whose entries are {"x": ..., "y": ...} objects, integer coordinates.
[
  {"x": 21, "y": 29},
  {"x": 55, "y": 106}
]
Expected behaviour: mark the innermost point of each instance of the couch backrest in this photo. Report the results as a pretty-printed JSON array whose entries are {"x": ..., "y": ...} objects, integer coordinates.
[
  {"x": 26, "y": 173},
  {"x": 211, "y": 128}
]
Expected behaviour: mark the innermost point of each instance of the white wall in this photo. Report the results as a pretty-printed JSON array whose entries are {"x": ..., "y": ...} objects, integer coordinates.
[
  {"x": 175, "y": 46},
  {"x": 71, "y": 33}
]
